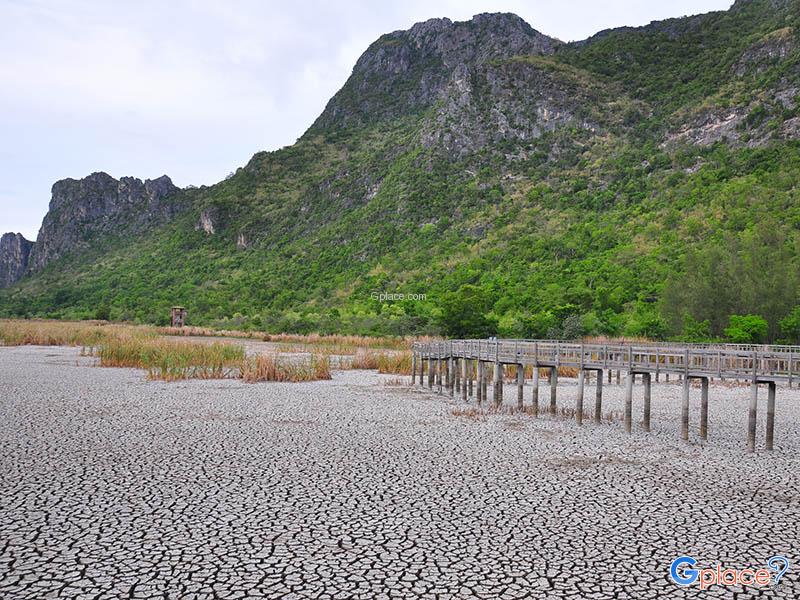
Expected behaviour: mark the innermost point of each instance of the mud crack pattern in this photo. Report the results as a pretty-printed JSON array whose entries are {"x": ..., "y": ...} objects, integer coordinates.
[{"x": 116, "y": 487}]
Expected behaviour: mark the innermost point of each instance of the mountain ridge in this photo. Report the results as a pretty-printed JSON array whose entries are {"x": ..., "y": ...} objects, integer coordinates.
[{"x": 575, "y": 182}]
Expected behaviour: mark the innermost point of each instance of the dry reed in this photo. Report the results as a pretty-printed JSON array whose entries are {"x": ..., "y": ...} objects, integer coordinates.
[{"x": 270, "y": 367}]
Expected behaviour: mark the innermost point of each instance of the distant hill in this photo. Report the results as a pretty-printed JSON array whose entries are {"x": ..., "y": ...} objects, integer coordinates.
[{"x": 640, "y": 182}]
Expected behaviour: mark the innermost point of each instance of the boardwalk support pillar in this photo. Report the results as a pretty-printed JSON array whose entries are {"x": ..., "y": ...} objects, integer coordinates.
[
  {"x": 498, "y": 385},
  {"x": 479, "y": 382},
  {"x": 647, "y": 383},
  {"x": 598, "y": 398},
  {"x": 439, "y": 372},
  {"x": 470, "y": 376},
  {"x": 485, "y": 381},
  {"x": 751, "y": 417},
  {"x": 431, "y": 375},
  {"x": 535, "y": 392},
  {"x": 413, "y": 368},
  {"x": 451, "y": 375},
  {"x": 704, "y": 408},
  {"x": 579, "y": 399},
  {"x": 464, "y": 363},
  {"x": 520, "y": 386},
  {"x": 553, "y": 388},
  {"x": 629, "y": 401},
  {"x": 770, "y": 415},
  {"x": 685, "y": 410}
]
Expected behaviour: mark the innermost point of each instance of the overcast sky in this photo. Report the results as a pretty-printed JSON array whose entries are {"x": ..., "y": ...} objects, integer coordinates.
[{"x": 194, "y": 88}]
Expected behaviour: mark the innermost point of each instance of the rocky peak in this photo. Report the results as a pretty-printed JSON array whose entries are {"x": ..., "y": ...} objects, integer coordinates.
[
  {"x": 15, "y": 252},
  {"x": 81, "y": 210},
  {"x": 487, "y": 36},
  {"x": 405, "y": 72}
]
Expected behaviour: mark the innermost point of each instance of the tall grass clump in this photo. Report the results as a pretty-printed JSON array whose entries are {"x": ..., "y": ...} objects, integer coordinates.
[
  {"x": 342, "y": 341},
  {"x": 392, "y": 362},
  {"x": 171, "y": 360},
  {"x": 271, "y": 367},
  {"x": 395, "y": 363},
  {"x": 54, "y": 333}
]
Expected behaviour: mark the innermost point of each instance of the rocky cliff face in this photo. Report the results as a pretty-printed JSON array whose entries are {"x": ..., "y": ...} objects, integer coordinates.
[
  {"x": 15, "y": 252},
  {"x": 82, "y": 210},
  {"x": 406, "y": 72}
]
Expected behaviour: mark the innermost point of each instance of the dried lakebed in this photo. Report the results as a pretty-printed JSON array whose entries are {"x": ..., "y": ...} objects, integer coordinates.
[{"x": 116, "y": 487}]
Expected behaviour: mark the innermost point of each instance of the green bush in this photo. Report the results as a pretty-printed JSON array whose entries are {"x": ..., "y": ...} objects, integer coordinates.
[
  {"x": 790, "y": 326},
  {"x": 746, "y": 329}
]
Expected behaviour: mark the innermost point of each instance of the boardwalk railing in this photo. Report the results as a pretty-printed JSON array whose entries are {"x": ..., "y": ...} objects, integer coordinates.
[
  {"x": 725, "y": 362},
  {"x": 768, "y": 365}
]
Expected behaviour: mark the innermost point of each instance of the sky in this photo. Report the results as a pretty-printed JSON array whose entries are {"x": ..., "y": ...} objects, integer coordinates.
[{"x": 194, "y": 88}]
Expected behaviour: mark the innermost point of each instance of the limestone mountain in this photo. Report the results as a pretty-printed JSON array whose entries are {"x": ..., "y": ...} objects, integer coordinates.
[
  {"x": 88, "y": 211},
  {"x": 97, "y": 205},
  {"x": 528, "y": 186},
  {"x": 15, "y": 252}
]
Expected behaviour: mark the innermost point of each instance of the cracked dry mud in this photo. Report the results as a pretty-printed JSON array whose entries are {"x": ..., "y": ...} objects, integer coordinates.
[{"x": 116, "y": 487}]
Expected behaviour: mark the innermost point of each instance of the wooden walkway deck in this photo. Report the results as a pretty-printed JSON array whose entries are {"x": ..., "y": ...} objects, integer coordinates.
[{"x": 458, "y": 362}]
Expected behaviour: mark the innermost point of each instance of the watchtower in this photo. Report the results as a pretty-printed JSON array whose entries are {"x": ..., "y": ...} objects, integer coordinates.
[{"x": 178, "y": 316}]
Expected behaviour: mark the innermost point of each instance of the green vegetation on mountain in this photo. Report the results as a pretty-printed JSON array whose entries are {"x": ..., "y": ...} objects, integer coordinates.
[{"x": 643, "y": 182}]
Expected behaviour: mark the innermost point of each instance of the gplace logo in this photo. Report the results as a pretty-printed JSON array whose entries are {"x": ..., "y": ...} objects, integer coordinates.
[{"x": 683, "y": 573}]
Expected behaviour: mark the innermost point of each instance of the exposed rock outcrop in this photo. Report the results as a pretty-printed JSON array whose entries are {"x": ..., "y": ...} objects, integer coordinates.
[
  {"x": 405, "y": 72},
  {"x": 83, "y": 210},
  {"x": 513, "y": 99},
  {"x": 767, "y": 51},
  {"x": 15, "y": 252}
]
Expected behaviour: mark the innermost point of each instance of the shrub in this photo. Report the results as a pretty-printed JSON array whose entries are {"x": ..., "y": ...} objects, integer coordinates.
[
  {"x": 746, "y": 329},
  {"x": 790, "y": 326}
]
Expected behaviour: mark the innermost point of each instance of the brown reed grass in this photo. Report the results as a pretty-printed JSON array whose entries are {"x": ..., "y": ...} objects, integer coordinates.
[
  {"x": 171, "y": 360},
  {"x": 270, "y": 367}
]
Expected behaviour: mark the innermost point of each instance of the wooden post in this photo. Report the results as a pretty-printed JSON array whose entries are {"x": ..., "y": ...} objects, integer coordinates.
[
  {"x": 535, "y": 392},
  {"x": 609, "y": 375},
  {"x": 579, "y": 399},
  {"x": 704, "y": 408},
  {"x": 617, "y": 376},
  {"x": 471, "y": 369},
  {"x": 447, "y": 373},
  {"x": 658, "y": 365},
  {"x": 479, "y": 382},
  {"x": 421, "y": 369},
  {"x": 451, "y": 375},
  {"x": 598, "y": 398},
  {"x": 553, "y": 387},
  {"x": 413, "y": 368},
  {"x": 520, "y": 386},
  {"x": 431, "y": 375},
  {"x": 647, "y": 381},
  {"x": 629, "y": 401},
  {"x": 751, "y": 417},
  {"x": 498, "y": 384},
  {"x": 464, "y": 362},
  {"x": 685, "y": 410},
  {"x": 457, "y": 373},
  {"x": 439, "y": 371},
  {"x": 484, "y": 381},
  {"x": 771, "y": 415}
]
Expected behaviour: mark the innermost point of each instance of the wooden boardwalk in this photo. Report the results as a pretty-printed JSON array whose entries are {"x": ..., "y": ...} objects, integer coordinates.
[{"x": 454, "y": 364}]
